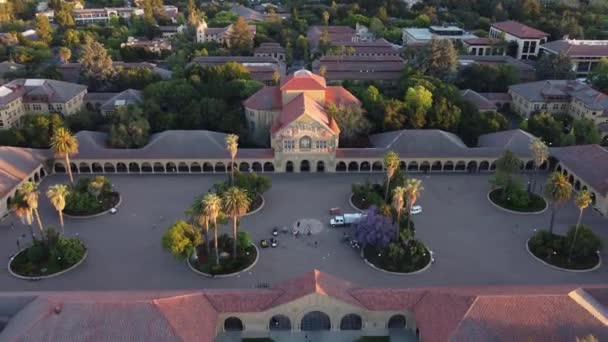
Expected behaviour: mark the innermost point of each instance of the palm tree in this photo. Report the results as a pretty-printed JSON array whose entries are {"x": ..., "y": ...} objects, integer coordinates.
[
  {"x": 212, "y": 204},
  {"x": 399, "y": 194},
  {"x": 23, "y": 212},
  {"x": 29, "y": 190},
  {"x": 57, "y": 194},
  {"x": 199, "y": 217},
  {"x": 540, "y": 154},
  {"x": 582, "y": 201},
  {"x": 63, "y": 143},
  {"x": 232, "y": 145},
  {"x": 391, "y": 163},
  {"x": 413, "y": 187},
  {"x": 236, "y": 203},
  {"x": 558, "y": 191}
]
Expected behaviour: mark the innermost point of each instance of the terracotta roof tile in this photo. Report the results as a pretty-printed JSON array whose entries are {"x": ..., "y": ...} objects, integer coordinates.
[
  {"x": 438, "y": 314},
  {"x": 304, "y": 105},
  {"x": 303, "y": 80},
  {"x": 242, "y": 300},
  {"x": 520, "y": 30}
]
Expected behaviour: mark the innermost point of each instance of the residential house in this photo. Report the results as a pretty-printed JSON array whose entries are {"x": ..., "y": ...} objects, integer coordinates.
[
  {"x": 220, "y": 35},
  {"x": 484, "y": 46},
  {"x": 585, "y": 54},
  {"x": 420, "y": 36},
  {"x": 125, "y": 98},
  {"x": 527, "y": 39},
  {"x": 274, "y": 50},
  {"x": 168, "y": 31},
  {"x": 482, "y": 103},
  {"x": 157, "y": 45},
  {"x": 38, "y": 96},
  {"x": 250, "y": 15}
]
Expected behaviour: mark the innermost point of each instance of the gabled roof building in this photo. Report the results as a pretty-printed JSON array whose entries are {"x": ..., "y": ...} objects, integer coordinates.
[
  {"x": 527, "y": 39},
  {"x": 585, "y": 54}
]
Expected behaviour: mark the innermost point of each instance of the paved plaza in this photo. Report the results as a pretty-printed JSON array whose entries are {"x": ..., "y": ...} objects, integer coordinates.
[{"x": 474, "y": 243}]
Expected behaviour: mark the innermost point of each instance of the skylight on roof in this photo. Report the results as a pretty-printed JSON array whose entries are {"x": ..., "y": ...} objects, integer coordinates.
[
  {"x": 33, "y": 82},
  {"x": 5, "y": 91}
]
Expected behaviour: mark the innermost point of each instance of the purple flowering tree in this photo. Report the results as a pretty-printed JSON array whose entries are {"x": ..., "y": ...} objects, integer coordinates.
[{"x": 374, "y": 229}]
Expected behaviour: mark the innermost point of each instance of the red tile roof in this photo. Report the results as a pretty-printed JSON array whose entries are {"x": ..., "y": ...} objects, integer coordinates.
[
  {"x": 303, "y": 80},
  {"x": 267, "y": 98},
  {"x": 304, "y": 105},
  {"x": 438, "y": 314},
  {"x": 242, "y": 300},
  {"x": 520, "y": 30},
  {"x": 340, "y": 97},
  {"x": 480, "y": 41}
]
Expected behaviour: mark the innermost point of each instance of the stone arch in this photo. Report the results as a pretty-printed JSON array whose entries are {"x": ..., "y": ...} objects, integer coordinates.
[
  {"x": 402, "y": 166},
  {"x": 256, "y": 167},
  {"x": 108, "y": 168},
  {"x": 233, "y": 324},
  {"x": 195, "y": 167},
  {"x": 268, "y": 167},
  {"x": 377, "y": 166},
  {"x": 397, "y": 322},
  {"x": 304, "y": 166},
  {"x": 544, "y": 165},
  {"x": 279, "y": 322},
  {"x": 183, "y": 167},
  {"x": 134, "y": 167},
  {"x": 365, "y": 166},
  {"x": 530, "y": 165},
  {"x": 571, "y": 179},
  {"x": 159, "y": 167},
  {"x": 472, "y": 166},
  {"x": 220, "y": 167},
  {"x": 121, "y": 167},
  {"x": 289, "y": 166},
  {"x": 305, "y": 143},
  {"x": 84, "y": 167},
  {"x": 425, "y": 166},
  {"x": 593, "y": 198},
  {"x": 207, "y": 167},
  {"x": 460, "y": 166},
  {"x": 353, "y": 166},
  {"x": 9, "y": 202},
  {"x": 96, "y": 167},
  {"x": 170, "y": 167},
  {"x": 577, "y": 185},
  {"x": 146, "y": 167},
  {"x": 584, "y": 188},
  {"x": 74, "y": 168},
  {"x": 484, "y": 166},
  {"x": 412, "y": 166},
  {"x": 320, "y": 166},
  {"x": 42, "y": 173},
  {"x": 559, "y": 168},
  {"x": 436, "y": 166},
  {"x": 244, "y": 167},
  {"x": 351, "y": 322},
  {"x": 341, "y": 167},
  {"x": 493, "y": 166},
  {"x": 315, "y": 321},
  {"x": 36, "y": 177},
  {"x": 448, "y": 166}
]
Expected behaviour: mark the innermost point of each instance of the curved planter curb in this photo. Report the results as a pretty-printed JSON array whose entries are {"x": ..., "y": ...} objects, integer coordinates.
[
  {"x": 399, "y": 273},
  {"x": 258, "y": 209},
  {"x": 229, "y": 274},
  {"x": 350, "y": 201},
  {"x": 599, "y": 263},
  {"x": 95, "y": 215},
  {"x": 518, "y": 212},
  {"x": 84, "y": 257}
]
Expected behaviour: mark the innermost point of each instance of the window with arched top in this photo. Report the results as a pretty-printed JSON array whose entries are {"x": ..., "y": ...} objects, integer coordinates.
[
  {"x": 305, "y": 143},
  {"x": 233, "y": 324}
]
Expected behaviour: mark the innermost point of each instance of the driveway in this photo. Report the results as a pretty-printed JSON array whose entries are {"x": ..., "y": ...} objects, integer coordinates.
[{"x": 474, "y": 243}]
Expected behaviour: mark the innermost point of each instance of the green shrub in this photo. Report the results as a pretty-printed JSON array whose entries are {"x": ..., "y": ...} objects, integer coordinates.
[
  {"x": 555, "y": 249},
  {"x": 586, "y": 244},
  {"x": 253, "y": 183}
]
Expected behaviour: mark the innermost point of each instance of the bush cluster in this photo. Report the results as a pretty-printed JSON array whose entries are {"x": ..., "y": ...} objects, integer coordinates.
[
  {"x": 246, "y": 254},
  {"x": 555, "y": 249},
  {"x": 254, "y": 184},
  {"x": 90, "y": 196}
]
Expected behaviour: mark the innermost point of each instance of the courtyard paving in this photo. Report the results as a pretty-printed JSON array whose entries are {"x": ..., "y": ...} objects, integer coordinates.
[{"x": 474, "y": 243}]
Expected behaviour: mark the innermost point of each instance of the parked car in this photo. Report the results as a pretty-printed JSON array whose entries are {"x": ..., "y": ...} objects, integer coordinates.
[
  {"x": 113, "y": 211},
  {"x": 417, "y": 209},
  {"x": 274, "y": 242},
  {"x": 275, "y": 231}
]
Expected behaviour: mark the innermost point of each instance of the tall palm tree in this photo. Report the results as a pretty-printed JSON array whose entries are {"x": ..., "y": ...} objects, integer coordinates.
[
  {"x": 391, "y": 164},
  {"x": 582, "y": 201},
  {"x": 23, "y": 212},
  {"x": 540, "y": 154},
  {"x": 399, "y": 194},
  {"x": 236, "y": 203},
  {"x": 212, "y": 204},
  {"x": 63, "y": 143},
  {"x": 558, "y": 190},
  {"x": 57, "y": 194},
  {"x": 232, "y": 145},
  {"x": 199, "y": 217},
  {"x": 29, "y": 190},
  {"x": 413, "y": 188}
]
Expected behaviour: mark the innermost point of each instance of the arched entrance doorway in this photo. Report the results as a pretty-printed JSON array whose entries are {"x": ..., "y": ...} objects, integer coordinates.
[
  {"x": 304, "y": 166},
  {"x": 314, "y": 321},
  {"x": 396, "y": 322},
  {"x": 289, "y": 166},
  {"x": 320, "y": 166},
  {"x": 279, "y": 322}
]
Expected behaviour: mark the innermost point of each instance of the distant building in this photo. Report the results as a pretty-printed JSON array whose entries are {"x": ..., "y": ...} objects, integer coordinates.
[
  {"x": 220, "y": 35},
  {"x": 338, "y": 35},
  {"x": 9, "y": 67},
  {"x": 379, "y": 47},
  {"x": 125, "y": 98},
  {"x": 560, "y": 97},
  {"x": 262, "y": 69},
  {"x": 172, "y": 30},
  {"x": 86, "y": 16},
  {"x": 526, "y": 71},
  {"x": 385, "y": 69},
  {"x": 528, "y": 39},
  {"x": 274, "y": 50},
  {"x": 482, "y": 103},
  {"x": 70, "y": 72},
  {"x": 417, "y": 36},
  {"x": 363, "y": 33},
  {"x": 157, "y": 46},
  {"x": 585, "y": 54},
  {"x": 250, "y": 15},
  {"x": 484, "y": 46},
  {"x": 38, "y": 96}
]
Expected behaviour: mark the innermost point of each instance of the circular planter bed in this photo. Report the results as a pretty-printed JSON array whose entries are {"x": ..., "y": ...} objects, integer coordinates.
[
  {"x": 380, "y": 260},
  {"x": 358, "y": 202},
  {"x": 109, "y": 201},
  {"x": 256, "y": 205},
  {"x": 536, "y": 205},
  {"x": 204, "y": 264},
  {"x": 47, "y": 265},
  {"x": 559, "y": 259}
]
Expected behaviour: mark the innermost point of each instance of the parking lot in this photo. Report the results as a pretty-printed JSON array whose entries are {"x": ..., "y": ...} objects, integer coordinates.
[{"x": 474, "y": 243}]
